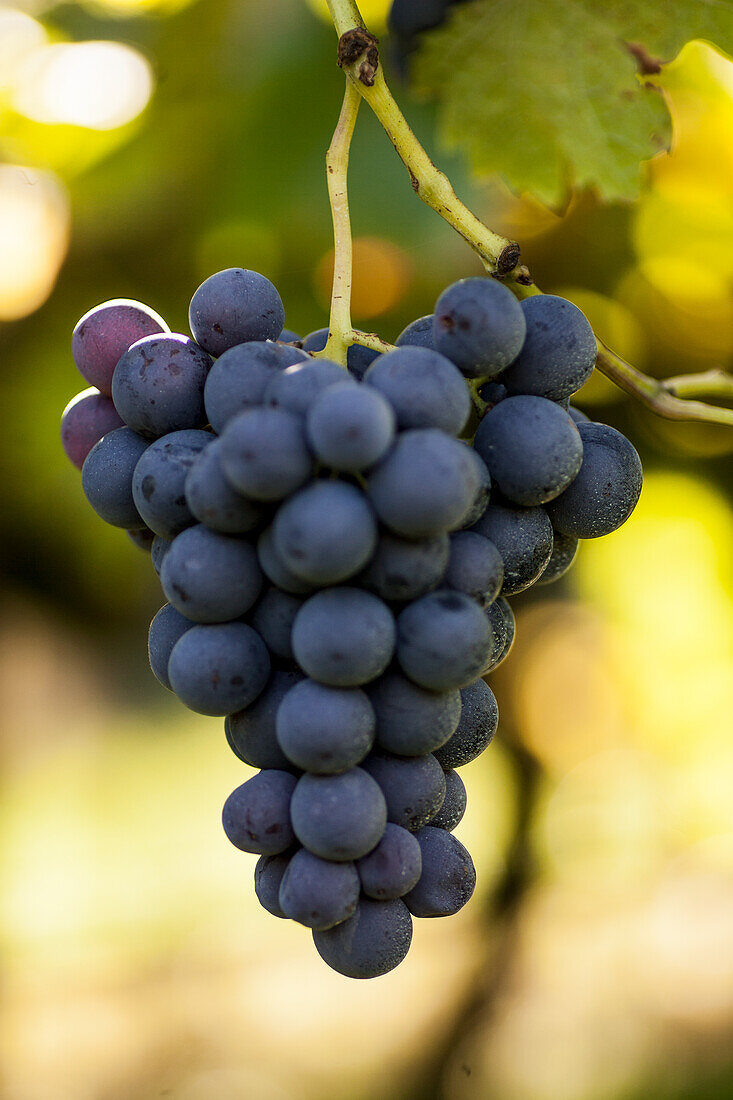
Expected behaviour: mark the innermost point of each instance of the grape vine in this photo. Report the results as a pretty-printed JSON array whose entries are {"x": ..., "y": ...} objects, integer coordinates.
[{"x": 672, "y": 398}]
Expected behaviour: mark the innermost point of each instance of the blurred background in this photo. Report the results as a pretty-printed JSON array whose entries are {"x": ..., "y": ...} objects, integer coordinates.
[{"x": 145, "y": 144}]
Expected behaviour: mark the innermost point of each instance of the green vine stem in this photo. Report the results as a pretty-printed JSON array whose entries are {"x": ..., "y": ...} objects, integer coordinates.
[
  {"x": 337, "y": 170},
  {"x": 358, "y": 56}
]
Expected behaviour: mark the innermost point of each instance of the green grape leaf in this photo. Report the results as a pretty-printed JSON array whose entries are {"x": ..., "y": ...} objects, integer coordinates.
[{"x": 547, "y": 92}]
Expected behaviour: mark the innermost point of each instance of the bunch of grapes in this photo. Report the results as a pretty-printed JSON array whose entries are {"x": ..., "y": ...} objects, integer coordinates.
[{"x": 337, "y": 547}]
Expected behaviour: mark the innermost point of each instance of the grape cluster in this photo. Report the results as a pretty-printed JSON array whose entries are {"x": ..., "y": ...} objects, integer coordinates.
[{"x": 337, "y": 555}]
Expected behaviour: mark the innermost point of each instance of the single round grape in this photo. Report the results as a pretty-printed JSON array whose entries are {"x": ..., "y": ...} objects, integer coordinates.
[
  {"x": 358, "y": 358},
  {"x": 392, "y": 868},
  {"x": 474, "y": 567},
  {"x": 523, "y": 537},
  {"x": 418, "y": 334},
  {"x": 326, "y": 532},
  {"x": 425, "y": 485},
  {"x": 239, "y": 379},
  {"x": 256, "y": 816},
  {"x": 578, "y": 416},
  {"x": 425, "y": 389},
  {"x": 483, "y": 492},
  {"x": 217, "y": 670},
  {"x": 296, "y": 388},
  {"x": 479, "y": 325},
  {"x": 159, "y": 479},
  {"x": 325, "y": 730},
  {"x": 413, "y": 787},
  {"x": 503, "y": 627},
  {"x": 143, "y": 538},
  {"x": 167, "y": 626},
  {"x": 251, "y": 732},
  {"x": 106, "y": 477},
  {"x": 350, "y": 427},
  {"x": 411, "y": 721},
  {"x": 403, "y": 569},
  {"x": 371, "y": 943},
  {"x": 451, "y": 812},
  {"x": 264, "y": 453},
  {"x": 564, "y": 552},
  {"x": 158, "y": 385},
  {"x": 275, "y": 568},
  {"x": 269, "y": 871},
  {"x": 317, "y": 892},
  {"x": 605, "y": 492},
  {"x": 273, "y": 619},
  {"x": 344, "y": 637},
  {"x": 443, "y": 640},
  {"x": 476, "y": 729},
  {"x": 209, "y": 577},
  {"x": 158, "y": 552},
  {"x": 448, "y": 877},
  {"x": 105, "y": 333},
  {"x": 531, "y": 447},
  {"x": 338, "y": 817},
  {"x": 213, "y": 501},
  {"x": 84, "y": 421},
  {"x": 559, "y": 350},
  {"x": 233, "y": 306}
]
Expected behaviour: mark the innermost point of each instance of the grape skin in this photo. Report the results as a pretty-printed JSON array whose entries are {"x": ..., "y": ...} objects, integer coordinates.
[
  {"x": 326, "y": 532},
  {"x": 275, "y": 568},
  {"x": 240, "y": 377},
  {"x": 418, "y": 334},
  {"x": 358, "y": 358},
  {"x": 475, "y": 567},
  {"x": 476, "y": 728},
  {"x": 564, "y": 552},
  {"x": 479, "y": 325},
  {"x": 158, "y": 552},
  {"x": 414, "y": 506},
  {"x": 371, "y": 943},
  {"x": 256, "y": 816},
  {"x": 250, "y": 733},
  {"x": 211, "y": 578},
  {"x": 392, "y": 868},
  {"x": 502, "y": 626},
  {"x": 448, "y": 877},
  {"x": 450, "y": 814},
  {"x": 559, "y": 350},
  {"x": 84, "y": 421},
  {"x": 269, "y": 871},
  {"x": 212, "y": 500},
  {"x": 264, "y": 454},
  {"x": 167, "y": 626},
  {"x": 344, "y": 637},
  {"x": 410, "y": 720},
  {"x": 338, "y": 817},
  {"x": 325, "y": 730},
  {"x": 413, "y": 787},
  {"x": 105, "y": 333},
  {"x": 317, "y": 892},
  {"x": 296, "y": 388},
  {"x": 273, "y": 619},
  {"x": 159, "y": 479},
  {"x": 350, "y": 427},
  {"x": 523, "y": 537},
  {"x": 143, "y": 539},
  {"x": 403, "y": 569},
  {"x": 106, "y": 477},
  {"x": 158, "y": 385},
  {"x": 425, "y": 389},
  {"x": 607, "y": 488},
  {"x": 443, "y": 640},
  {"x": 219, "y": 669},
  {"x": 233, "y": 306},
  {"x": 531, "y": 447}
]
